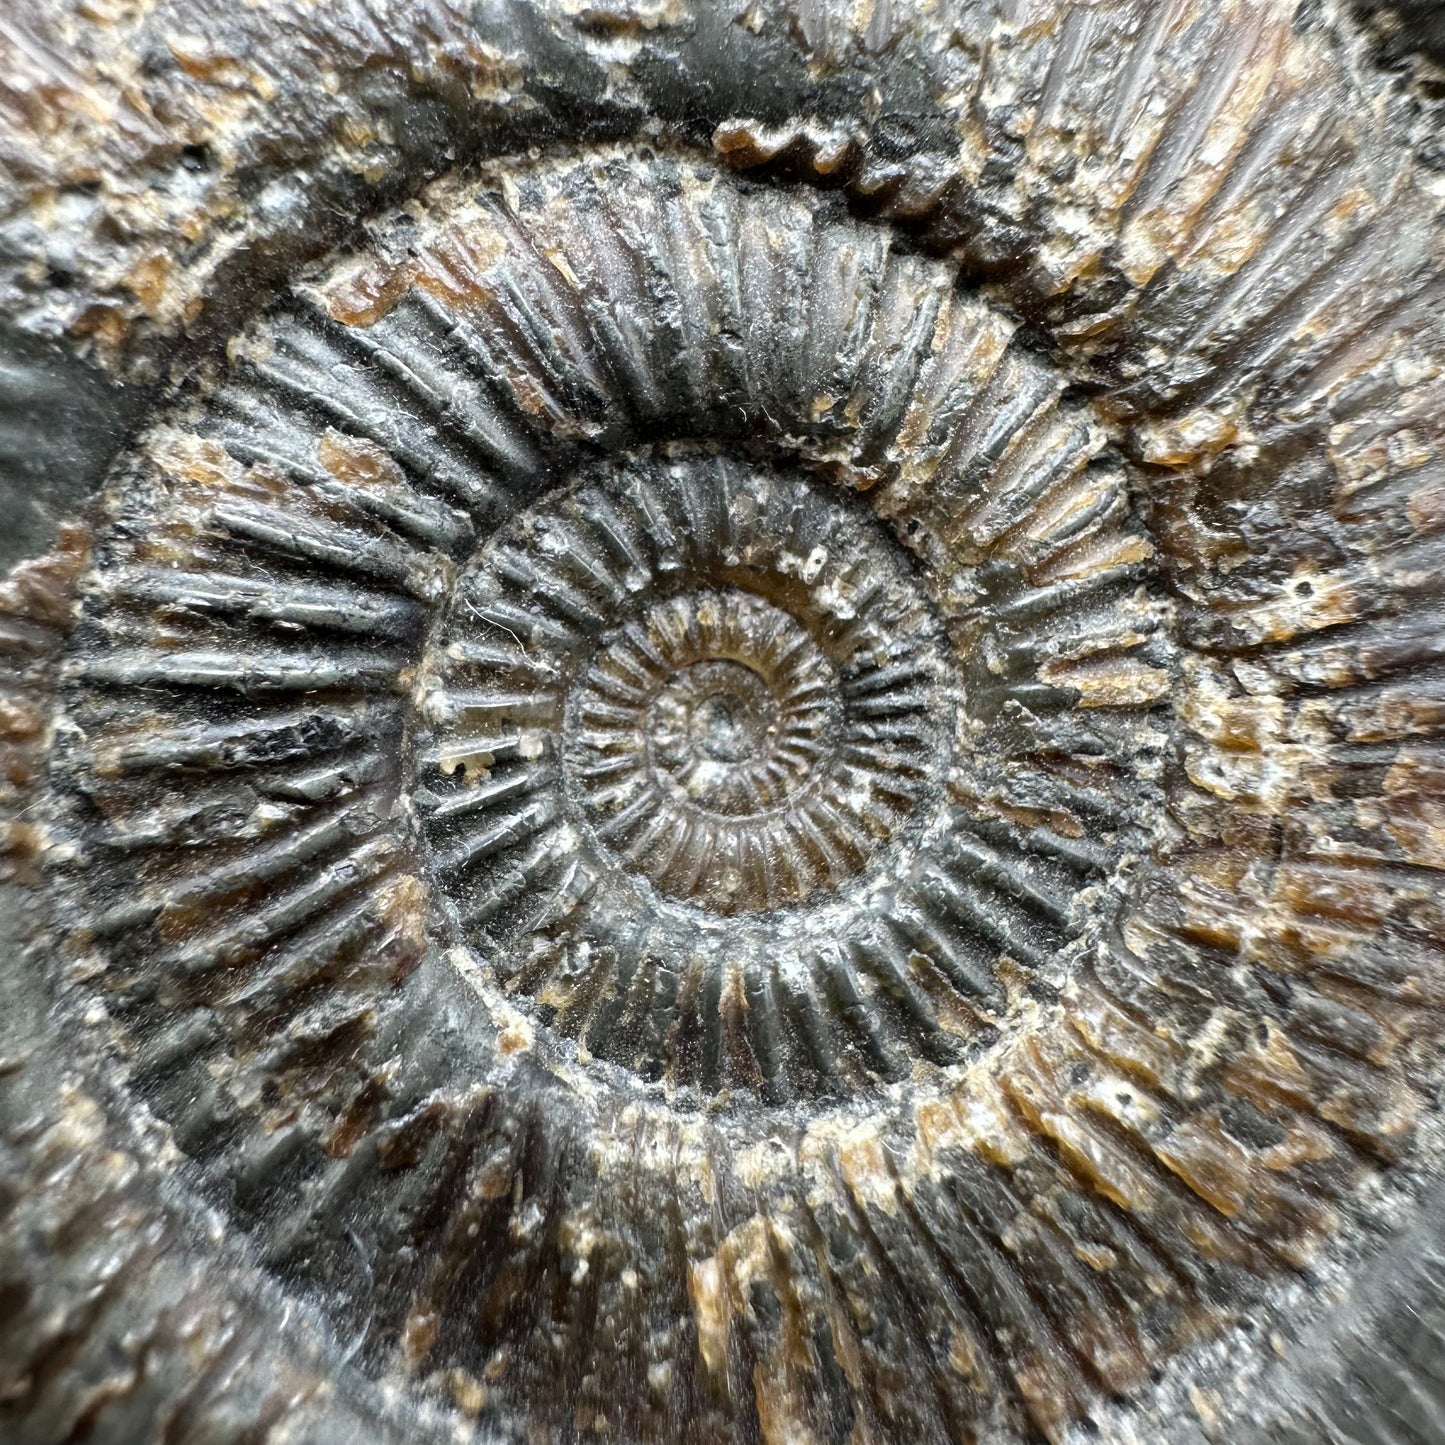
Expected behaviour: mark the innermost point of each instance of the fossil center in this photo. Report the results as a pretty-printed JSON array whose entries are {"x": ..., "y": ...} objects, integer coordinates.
[
  {"x": 694, "y": 733},
  {"x": 717, "y": 732},
  {"x": 730, "y": 723}
]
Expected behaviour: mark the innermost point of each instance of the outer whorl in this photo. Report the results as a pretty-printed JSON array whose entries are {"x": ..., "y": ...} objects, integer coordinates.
[{"x": 743, "y": 741}]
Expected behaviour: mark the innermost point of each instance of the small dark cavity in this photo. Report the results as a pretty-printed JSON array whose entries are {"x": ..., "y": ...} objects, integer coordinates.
[{"x": 196, "y": 158}]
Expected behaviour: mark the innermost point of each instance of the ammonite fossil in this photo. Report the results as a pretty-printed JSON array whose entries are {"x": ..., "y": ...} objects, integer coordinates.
[{"x": 721, "y": 722}]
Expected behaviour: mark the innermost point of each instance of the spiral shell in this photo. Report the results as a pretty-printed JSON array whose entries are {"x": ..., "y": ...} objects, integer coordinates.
[{"x": 766, "y": 773}]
